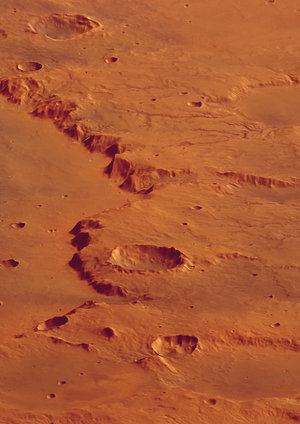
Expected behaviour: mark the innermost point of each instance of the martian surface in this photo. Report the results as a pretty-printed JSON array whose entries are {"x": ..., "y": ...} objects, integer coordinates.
[{"x": 150, "y": 209}]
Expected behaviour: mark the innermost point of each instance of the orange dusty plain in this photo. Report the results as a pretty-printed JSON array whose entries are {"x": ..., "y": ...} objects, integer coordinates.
[{"x": 150, "y": 207}]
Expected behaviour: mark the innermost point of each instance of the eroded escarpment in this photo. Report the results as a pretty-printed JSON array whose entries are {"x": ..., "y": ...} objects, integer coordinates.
[
  {"x": 42, "y": 103},
  {"x": 236, "y": 255},
  {"x": 82, "y": 237},
  {"x": 103, "y": 287},
  {"x": 85, "y": 224},
  {"x": 53, "y": 108},
  {"x": 62, "y": 26},
  {"x": 60, "y": 341},
  {"x": 47, "y": 105},
  {"x": 136, "y": 177},
  {"x": 58, "y": 321},
  {"x": 109, "y": 289},
  {"x": 21, "y": 90},
  {"x": 52, "y": 323},
  {"x": 81, "y": 240},
  {"x": 107, "y": 144},
  {"x": 241, "y": 340},
  {"x": 129, "y": 175},
  {"x": 259, "y": 181}
]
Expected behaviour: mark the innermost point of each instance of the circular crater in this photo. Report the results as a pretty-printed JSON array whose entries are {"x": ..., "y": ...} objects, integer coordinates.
[
  {"x": 171, "y": 345},
  {"x": 62, "y": 26},
  {"x": 140, "y": 257},
  {"x": 18, "y": 225},
  {"x": 110, "y": 59},
  {"x": 29, "y": 66},
  {"x": 51, "y": 396},
  {"x": 194, "y": 104},
  {"x": 108, "y": 332},
  {"x": 3, "y": 34},
  {"x": 10, "y": 263}
]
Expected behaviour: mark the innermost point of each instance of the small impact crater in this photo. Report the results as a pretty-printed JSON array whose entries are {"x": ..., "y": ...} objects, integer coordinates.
[
  {"x": 62, "y": 26},
  {"x": 108, "y": 332},
  {"x": 52, "y": 323},
  {"x": 51, "y": 396},
  {"x": 29, "y": 66},
  {"x": 3, "y": 34},
  {"x": 10, "y": 263},
  {"x": 110, "y": 59},
  {"x": 171, "y": 345},
  {"x": 194, "y": 104},
  {"x": 140, "y": 257},
  {"x": 18, "y": 225}
]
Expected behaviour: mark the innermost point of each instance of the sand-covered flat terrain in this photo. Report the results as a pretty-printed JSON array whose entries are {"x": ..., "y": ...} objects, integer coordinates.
[{"x": 150, "y": 206}]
